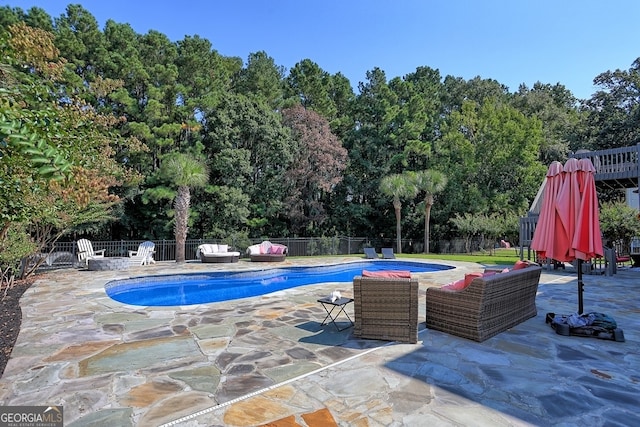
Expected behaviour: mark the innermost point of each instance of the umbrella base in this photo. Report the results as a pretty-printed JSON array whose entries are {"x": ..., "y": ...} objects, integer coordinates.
[{"x": 588, "y": 331}]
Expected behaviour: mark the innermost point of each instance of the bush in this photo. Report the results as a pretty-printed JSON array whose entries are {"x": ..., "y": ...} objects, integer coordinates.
[
  {"x": 619, "y": 222},
  {"x": 14, "y": 248}
]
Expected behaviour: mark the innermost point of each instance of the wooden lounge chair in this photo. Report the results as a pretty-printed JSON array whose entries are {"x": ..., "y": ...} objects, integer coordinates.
[
  {"x": 387, "y": 253},
  {"x": 488, "y": 306},
  {"x": 370, "y": 253},
  {"x": 386, "y": 308},
  {"x": 144, "y": 254},
  {"x": 86, "y": 252}
]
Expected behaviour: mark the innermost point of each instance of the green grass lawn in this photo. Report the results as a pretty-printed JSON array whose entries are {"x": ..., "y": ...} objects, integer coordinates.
[{"x": 499, "y": 257}]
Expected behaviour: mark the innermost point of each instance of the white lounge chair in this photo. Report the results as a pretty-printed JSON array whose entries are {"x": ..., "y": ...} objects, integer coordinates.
[
  {"x": 86, "y": 252},
  {"x": 144, "y": 254}
]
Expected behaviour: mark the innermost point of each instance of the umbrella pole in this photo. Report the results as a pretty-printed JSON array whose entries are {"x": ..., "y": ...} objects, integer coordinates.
[{"x": 580, "y": 287}]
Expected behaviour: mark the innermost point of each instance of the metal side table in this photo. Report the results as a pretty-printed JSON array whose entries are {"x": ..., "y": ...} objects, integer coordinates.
[{"x": 340, "y": 304}]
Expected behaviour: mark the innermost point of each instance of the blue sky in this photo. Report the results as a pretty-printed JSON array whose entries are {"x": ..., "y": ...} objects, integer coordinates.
[{"x": 512, "y": 41}]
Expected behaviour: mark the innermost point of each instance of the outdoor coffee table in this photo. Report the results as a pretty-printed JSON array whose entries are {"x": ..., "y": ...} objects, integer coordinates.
[{"x": 339, "y": 303}]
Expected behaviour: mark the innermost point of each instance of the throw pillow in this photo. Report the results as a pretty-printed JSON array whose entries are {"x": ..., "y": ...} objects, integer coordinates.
[
  {"x": 223, "y": 248},
  {"x": 458, "y": 285},
  {"x": 468, "y": 278},
  {"x": 520, "y": 265},
  {"x": 402, "y": 274},
  {"x": 265, "y": 247}
]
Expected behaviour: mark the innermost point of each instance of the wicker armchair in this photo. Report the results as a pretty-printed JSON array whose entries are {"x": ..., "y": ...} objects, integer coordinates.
[
  {"x": 386, "y": 308},
  {"x": 488, "y": 306}
]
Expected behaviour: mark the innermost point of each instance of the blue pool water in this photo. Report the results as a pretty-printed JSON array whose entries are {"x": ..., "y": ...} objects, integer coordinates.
[{"x": 199, "y": 288}]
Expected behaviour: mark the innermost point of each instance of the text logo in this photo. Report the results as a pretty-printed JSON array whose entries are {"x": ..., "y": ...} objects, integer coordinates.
[{"x": 31, "y": 416}]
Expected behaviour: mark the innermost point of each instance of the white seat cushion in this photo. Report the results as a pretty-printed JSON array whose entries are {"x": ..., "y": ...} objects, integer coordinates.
[{"x": 208, "y": 248}]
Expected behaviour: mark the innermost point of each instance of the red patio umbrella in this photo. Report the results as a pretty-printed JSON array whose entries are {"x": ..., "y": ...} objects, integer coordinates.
[
  {"x": 567, "y": 206},
  {"x": 569, "y": 224},
  {"x": 544, "y": 240},
  {"x": 587, "y": 239}
]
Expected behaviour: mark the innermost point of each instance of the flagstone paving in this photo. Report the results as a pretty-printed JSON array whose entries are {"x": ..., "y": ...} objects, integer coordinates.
[{"x": 259, "y": 360}]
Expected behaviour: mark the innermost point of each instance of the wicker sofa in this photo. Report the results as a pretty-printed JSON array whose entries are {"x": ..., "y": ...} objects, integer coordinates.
[
  {"x": 267, "y": 252},
  {"x": 386, "y": 308},
  {"x": 208, "y": 252},
  {"x": 488, "y": 306}
]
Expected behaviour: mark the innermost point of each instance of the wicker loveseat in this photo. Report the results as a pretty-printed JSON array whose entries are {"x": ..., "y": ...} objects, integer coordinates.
[
  {"x": 488, "y": 306},
  {"x": 267, "y": 252},
  {"x": 386, "y": 308}
]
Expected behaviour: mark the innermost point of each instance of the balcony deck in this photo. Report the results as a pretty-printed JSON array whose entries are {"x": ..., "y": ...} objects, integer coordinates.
[{"x": 615, "y": 167}]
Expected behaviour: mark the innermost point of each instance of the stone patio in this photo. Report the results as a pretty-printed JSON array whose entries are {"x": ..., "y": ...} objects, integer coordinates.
[{"x": 263, "y": 359}]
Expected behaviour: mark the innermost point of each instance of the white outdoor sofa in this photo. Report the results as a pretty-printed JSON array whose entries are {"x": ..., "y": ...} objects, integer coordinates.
[{"x": 211, "y": 252}]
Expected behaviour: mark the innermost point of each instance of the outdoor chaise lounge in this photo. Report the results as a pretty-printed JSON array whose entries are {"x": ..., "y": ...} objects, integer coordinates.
[
  {"x": 387, "y": 253},
  {"x": 370, "y": 253},
  {"x": 211, "y": 252},
  {"x": 386, "y": 308},
  {"x": 487, "y": 306},
  {"x": 267, "y": 252}
]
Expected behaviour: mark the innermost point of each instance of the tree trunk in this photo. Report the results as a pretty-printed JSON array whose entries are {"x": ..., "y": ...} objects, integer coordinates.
[
  {"x": 427, "y": 215},
  {"x": 397, "y": 208},
  {"x": 181, "y": 206}
]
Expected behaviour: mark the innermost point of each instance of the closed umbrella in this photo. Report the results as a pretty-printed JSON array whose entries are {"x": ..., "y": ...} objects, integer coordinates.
[
  {"x": 569, "y": 225},
  {"x": 544, "y": 237},
  {"x": 568, "y": 206},
  {"x": 587, "y": 239}
]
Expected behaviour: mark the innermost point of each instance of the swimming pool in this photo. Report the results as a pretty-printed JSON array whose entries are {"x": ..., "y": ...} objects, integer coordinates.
[{"x": 200, "y": 288}]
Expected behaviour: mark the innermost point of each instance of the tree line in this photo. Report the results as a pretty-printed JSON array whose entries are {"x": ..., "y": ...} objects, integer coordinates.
[{"x": 111, "y": 134}]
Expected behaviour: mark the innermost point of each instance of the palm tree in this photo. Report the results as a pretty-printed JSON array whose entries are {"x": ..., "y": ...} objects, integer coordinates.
[
  {"x": 431, "y": 182},
  {"x": 398, "y": 186},
  {"x": 186, "y": 172}
]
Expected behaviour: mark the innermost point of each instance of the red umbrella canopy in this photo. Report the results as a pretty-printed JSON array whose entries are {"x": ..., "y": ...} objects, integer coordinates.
[
  {"x": 569, "y": 225},
  {"x": 544, "y": 236},
  {"x": 567, "y": 207},
  {"x": 587, "y": 238}
]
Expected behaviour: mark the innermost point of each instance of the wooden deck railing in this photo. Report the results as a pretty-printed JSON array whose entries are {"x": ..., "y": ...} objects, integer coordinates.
[{"x": 614, "y": 164}]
